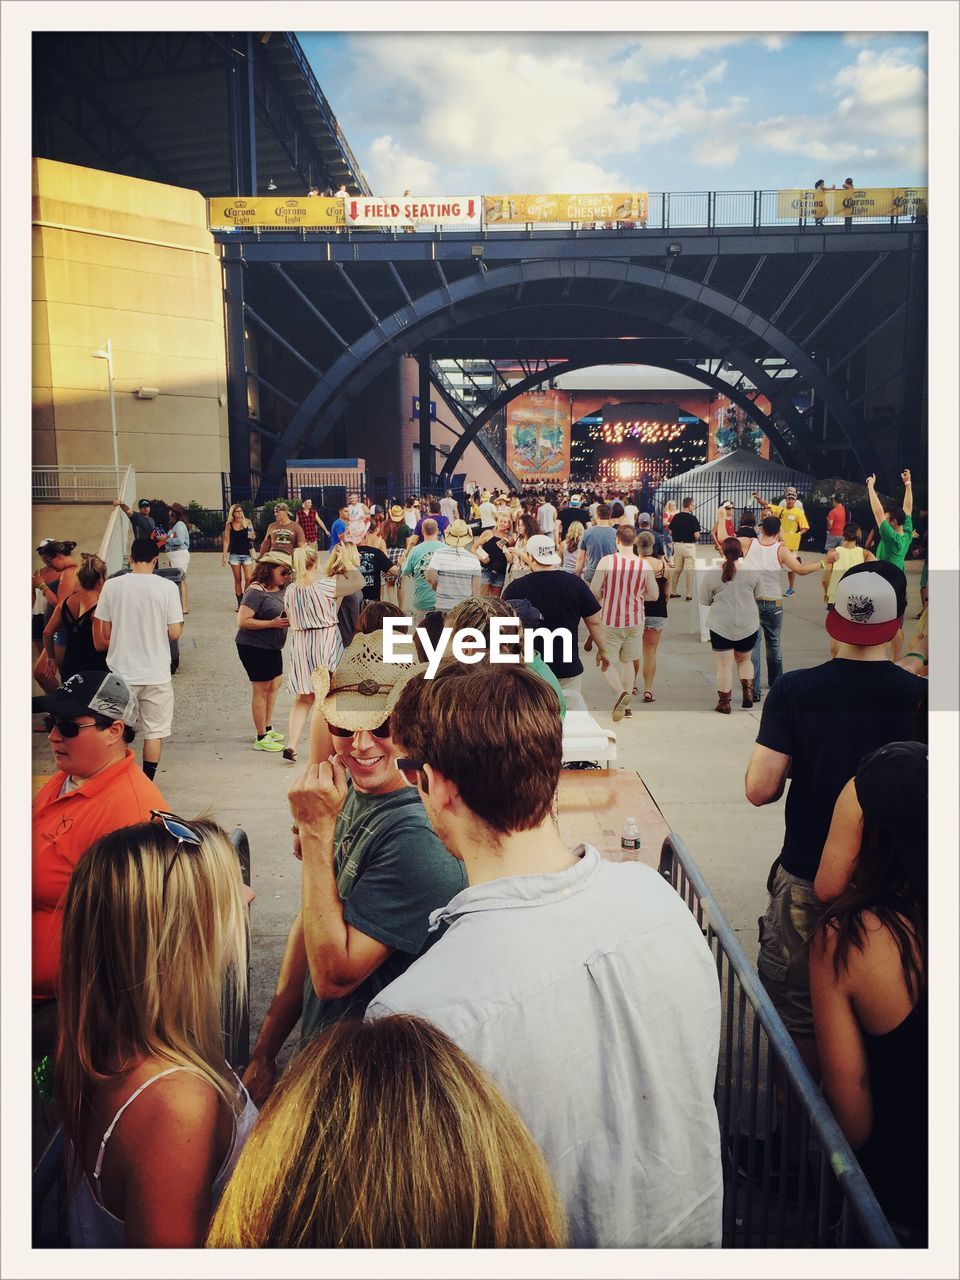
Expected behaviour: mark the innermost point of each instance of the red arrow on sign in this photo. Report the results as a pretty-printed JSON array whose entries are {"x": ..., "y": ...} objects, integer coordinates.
[{"x": 353, "y": 211}]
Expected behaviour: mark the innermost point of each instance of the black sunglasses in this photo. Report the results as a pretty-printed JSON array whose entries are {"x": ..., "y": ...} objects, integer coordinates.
[
  {"x": 66, "y": 728},
  {"x": 412, "y": 770},
  {"x": 182, "y": 832},
  {"x": 381, "y": 731}
]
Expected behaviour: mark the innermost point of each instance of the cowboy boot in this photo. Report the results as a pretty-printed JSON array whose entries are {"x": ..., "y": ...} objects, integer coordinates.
[
  {"x": 747, "y": 687},
  {"x": 723, "y": 703}
]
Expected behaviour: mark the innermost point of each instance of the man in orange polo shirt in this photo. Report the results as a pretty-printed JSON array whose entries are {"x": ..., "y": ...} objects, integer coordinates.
[{"x": 98, "y": 787}]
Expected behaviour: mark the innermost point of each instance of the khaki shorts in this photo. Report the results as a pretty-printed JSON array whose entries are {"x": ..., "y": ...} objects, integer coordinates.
[
  {"x": 624, "y": 644},
  {"x": 684, "y": 555},
  {"x": 156, "y": 709},
  {"x": 783, "y": 962}
]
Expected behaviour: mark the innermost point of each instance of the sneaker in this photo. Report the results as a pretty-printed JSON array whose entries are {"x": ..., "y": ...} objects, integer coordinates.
[
  {"x": 277, "y": 737},
  {"x": 266, "y": 743},
  {"x": 790, "y": 592},
  {"x": 620, "y": 707},
  {"x": 628, "y": 713}
]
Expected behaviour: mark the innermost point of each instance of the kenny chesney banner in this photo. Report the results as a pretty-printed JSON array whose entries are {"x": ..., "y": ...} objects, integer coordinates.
[
  {"x": 538, "y": 436},
  {"x": 400, "y": 211},
  {"x": 731, "y": 429},
  {"x": 609, "y": 207}
]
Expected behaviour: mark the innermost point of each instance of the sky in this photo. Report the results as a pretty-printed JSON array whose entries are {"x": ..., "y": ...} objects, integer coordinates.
[{"x": 465, "y": 113}]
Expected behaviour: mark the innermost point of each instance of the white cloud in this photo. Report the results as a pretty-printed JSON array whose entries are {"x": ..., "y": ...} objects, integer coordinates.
[
  {"x": 717, "y": 152},
  {"x": 391, "y": 168},
  {"x": 884, "y": 92},
  {"x": 773, "y": 44}
]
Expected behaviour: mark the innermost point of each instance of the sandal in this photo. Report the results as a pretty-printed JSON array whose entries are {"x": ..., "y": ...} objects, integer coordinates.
[
  {"x": 634, "y": 690},
  {"x": 648, "y": 696},
  {"x": 289, "y": 754}
]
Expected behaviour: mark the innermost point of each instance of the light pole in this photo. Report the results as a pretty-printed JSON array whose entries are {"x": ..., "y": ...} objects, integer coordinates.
[{"x": 105, "y": 353}]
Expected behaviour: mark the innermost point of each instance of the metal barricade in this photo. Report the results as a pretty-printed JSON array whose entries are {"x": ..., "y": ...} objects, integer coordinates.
[{"x": 772, "y": 1198}]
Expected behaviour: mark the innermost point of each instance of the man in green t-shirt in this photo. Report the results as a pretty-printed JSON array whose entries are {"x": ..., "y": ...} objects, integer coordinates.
[
  {"x": 895, "y": 527},
  {"x": 373, "y": 869},
  {"x": 414, "y": 570}
]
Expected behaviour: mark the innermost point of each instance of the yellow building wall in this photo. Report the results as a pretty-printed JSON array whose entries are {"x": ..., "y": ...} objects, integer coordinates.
[{"x": 132, "y": 261}]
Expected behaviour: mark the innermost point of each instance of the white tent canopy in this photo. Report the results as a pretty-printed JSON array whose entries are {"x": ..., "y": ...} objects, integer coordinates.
[{"x": 732, "y": 477}]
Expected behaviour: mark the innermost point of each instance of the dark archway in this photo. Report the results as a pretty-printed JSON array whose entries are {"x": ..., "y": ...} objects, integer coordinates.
[
  {"x": 707, "y": 379},
  {"x": 433, "y": 313}
]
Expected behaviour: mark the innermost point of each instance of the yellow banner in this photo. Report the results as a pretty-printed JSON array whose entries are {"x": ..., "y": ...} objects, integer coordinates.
[
  {"x": 269, "y": 211},
  {"x": 613, "y": 207},
  {"x": 867, "y": 202}
]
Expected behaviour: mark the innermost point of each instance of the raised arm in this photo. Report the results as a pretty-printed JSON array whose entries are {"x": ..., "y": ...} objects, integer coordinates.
[
  {"x": 907, "y": 493},
  {"x": 875, "y": 504}
]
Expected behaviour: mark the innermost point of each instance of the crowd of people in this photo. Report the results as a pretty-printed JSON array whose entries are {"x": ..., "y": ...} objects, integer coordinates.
[{"x": 504, "y": 1042}]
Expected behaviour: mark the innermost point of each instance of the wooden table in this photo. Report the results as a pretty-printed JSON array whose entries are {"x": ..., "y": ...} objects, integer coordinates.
[{"x": 592, "y": 807}]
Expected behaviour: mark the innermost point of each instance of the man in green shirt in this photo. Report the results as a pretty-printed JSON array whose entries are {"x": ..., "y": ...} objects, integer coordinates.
[
  {"x": 895, "y": 527},
  {"x": 414, "y": 570},
  {"x": 373, "y": 869}
]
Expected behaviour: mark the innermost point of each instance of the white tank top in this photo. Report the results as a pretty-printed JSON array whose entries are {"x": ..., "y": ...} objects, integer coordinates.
[
  {"x": 766, "y": 560},
  {"x": 92, "y": 1225}
]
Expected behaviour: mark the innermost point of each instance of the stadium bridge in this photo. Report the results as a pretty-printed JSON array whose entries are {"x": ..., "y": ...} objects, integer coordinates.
[{"x": 827, "y": 323}]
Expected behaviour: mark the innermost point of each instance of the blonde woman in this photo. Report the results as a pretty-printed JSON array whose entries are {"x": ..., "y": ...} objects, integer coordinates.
[
  {"x": 74, "y": 617},
  {"x": 153, "y": 1116},
  {"x": 238, "y": 539},
  {"x": 311, "y": 607},
  {"x": 669, "y": 511},
  {"x": 571, "y": 545},
  {"x": 385, "y": 1135},
  {"x": 345, "y": 559}
]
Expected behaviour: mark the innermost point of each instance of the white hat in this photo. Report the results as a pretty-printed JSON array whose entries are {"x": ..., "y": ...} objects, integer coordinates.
[{"x": 542, "y": 549}]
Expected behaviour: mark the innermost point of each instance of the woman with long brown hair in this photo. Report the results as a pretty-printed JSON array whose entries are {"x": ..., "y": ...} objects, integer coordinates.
[
  {"x": 518, "y": 564},
  {"x": 154, "y": 923},
  {"x": 731, "y": 593},
  {"x": 385, "y": 1135},
  {"x": 868, "y": 978},
  {"x": 262, "y": 626}
]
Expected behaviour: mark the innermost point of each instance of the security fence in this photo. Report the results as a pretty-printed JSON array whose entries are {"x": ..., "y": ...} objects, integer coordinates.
[
  {"x": 780, "y": 1191},
  {"x": 75, "y": 484}
]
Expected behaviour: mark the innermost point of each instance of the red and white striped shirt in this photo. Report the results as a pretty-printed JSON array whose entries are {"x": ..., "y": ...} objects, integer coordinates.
[{"x": 622, "y": 604}]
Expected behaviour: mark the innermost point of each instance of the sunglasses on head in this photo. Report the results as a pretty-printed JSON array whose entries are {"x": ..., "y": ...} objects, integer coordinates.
[
  {"x": 381, "y": 731},
  {"x": 65, "y": 728},
  {"x": 182, "y": 832}
]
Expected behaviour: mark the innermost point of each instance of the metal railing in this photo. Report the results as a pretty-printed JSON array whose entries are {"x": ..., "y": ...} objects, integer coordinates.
[
  {"x": 710, "y": 489},
  {"x": 75, "y": 484},
  {"x": 778, "y": 1193}
]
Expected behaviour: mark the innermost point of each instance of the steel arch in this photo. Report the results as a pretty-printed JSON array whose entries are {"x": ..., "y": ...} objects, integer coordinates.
[
  {"x": 430, "y": 314},
  {"x": 558, "y": 370}
]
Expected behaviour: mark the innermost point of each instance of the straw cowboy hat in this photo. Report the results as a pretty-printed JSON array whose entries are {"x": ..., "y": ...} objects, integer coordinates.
[
  {"x": 458, "y": 534},
  {"x": 277, "y": 557},
  {"x": 364, "y": 689}
]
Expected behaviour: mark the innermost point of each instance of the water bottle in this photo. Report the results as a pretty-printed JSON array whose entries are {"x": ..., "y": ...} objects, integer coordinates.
[{"x": 630, "y": 839}]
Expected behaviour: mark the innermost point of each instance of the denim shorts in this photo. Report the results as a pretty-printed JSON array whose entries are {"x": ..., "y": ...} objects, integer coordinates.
[{"x": 234, "y": 559}]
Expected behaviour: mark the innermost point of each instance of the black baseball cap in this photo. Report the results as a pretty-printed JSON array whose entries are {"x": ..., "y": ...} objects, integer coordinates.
[
  {"x": 144, "y": 502},
  {"x": 99, "y": 693}
]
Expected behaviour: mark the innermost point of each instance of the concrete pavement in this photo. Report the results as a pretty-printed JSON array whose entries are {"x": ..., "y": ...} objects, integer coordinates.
[{"x": 691, "y": 759}]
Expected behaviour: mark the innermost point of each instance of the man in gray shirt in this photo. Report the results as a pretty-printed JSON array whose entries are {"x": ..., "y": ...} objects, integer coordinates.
[
  {"x": 584, "y": 987},
  {"x": 599, "y": 540}
]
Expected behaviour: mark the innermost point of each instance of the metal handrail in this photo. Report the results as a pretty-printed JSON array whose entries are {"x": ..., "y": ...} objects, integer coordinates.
[{"x": 858, "y": 1193}]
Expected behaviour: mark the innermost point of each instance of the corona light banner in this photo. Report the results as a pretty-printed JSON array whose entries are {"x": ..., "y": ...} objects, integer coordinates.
[
  {"x": 408, "y": 211},
  {"x": 538, "y": 436},
  {"x": 869, "y": 202},
  {"x": 268, "y": 211},
  {"x": 606, "y": 207}
]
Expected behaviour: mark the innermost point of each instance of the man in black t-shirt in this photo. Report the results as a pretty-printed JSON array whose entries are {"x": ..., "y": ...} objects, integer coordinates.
[
  {"x": 685, "y": 532},
  {"x": 563, "y": 599},
  {"x": 816, "y": 727},
  {"x": 373, "y": 564},
  {"x": 572, "y": 513}
]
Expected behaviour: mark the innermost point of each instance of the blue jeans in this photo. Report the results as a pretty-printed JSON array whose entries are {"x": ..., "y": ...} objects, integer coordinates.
[{"x": 771, "y": 620}]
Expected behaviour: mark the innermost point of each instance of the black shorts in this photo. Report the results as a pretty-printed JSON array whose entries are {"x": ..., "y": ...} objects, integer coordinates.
[
  {"x": 260, "y": 665},
  {"x": 36, "y": 626},
  {"x": 720, "y": 644}
]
